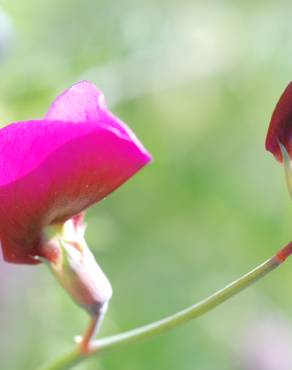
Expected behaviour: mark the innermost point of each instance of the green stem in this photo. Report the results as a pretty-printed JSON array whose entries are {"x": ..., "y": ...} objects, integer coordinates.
[{"x": 117, "y": 341}]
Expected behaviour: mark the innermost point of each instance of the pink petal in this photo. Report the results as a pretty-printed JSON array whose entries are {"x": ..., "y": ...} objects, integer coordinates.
[
  {"x": 80, "y": 103},
  {"x": 83, "y": 102},
  {"x": 51, "y": 170}
]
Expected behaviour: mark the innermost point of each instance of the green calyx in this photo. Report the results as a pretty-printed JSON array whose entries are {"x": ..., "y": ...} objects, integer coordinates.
[
  {"x": 77, "y": 270},
  {"x": 287, "y": 167}
]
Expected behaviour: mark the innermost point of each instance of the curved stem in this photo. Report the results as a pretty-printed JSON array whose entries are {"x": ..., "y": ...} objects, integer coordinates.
[{"x": 117, "y": 341}]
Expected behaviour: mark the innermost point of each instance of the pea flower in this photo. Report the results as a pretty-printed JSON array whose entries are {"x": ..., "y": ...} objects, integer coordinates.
[
  {"x": 51, "y": 171},
  {"x": 279, "y": 137}
]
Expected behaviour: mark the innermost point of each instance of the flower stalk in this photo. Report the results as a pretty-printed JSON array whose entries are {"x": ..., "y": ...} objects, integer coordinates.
[{"x": 118, "y": 341}]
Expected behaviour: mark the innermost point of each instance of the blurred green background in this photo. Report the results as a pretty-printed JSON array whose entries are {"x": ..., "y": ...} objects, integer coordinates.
[{"x": 197, "y": 81}]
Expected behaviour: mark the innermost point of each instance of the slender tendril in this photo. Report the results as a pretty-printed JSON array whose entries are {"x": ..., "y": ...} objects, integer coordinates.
[{"x": 116, "y": 342}]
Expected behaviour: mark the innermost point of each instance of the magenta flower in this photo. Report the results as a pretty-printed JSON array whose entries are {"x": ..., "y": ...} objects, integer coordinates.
[
  {"x": 279, "y": 135},
  {"x": 53, "y": 169}
]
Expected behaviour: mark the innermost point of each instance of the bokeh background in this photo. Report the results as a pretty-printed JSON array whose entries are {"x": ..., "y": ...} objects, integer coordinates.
[{"x": 197, "y": 81}]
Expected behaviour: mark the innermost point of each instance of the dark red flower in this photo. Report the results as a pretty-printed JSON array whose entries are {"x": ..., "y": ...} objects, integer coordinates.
[{"x": 280, "y": 129}]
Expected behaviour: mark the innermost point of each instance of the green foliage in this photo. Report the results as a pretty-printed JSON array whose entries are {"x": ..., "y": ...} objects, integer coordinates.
[{"x": 197, "y": 82}]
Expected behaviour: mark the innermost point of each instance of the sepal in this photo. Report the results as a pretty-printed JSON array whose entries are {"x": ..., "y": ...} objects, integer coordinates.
[
  {"x": 287, "y": 167},
  {"x": 77, "y": 271}
]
